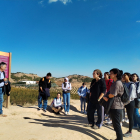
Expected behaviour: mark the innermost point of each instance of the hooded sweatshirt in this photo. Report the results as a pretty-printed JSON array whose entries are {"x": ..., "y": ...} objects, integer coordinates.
[
  {"x": 132, "y": 91},
  {"x": 66, "y": 86},
  {"x": 82, "y": 91}
]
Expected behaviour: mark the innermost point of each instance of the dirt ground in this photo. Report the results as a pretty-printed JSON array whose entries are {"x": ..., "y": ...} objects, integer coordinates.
[{"x": 26, "y": 123}]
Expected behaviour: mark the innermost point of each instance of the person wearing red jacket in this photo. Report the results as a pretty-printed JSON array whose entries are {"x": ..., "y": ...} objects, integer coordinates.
[{"x": 108, "y": 81}]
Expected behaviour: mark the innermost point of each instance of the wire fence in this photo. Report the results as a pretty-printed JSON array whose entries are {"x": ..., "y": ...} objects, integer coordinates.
[{"x": 53, "y": 89}]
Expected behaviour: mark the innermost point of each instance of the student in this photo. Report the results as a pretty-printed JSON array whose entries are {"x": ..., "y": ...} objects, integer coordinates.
[
  {"x": 136, "y": 115},
  {"x": 82, "y": 91},
  {"x": 108, "y": 81},
  {"x": 97, "y": 91},
  {"x": 2, "y": 84},
  {"x": 116, "y": 91},
  {"x": 44, "y": 86},
  {"x": 56, "y": 105},
  {"x": 66, "y": 87},
  {"x": 131, "y": 104}
]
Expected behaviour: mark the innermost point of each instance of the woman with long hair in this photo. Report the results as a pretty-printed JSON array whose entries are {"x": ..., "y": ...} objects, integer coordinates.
[
  {"x": 131, "y": 103},
  {"x": 136, "y": 115},
  {"x": 116, "y": 91}
]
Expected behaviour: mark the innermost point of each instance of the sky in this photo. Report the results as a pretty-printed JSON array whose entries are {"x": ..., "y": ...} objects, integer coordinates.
[{"x": 68, "y": 37}]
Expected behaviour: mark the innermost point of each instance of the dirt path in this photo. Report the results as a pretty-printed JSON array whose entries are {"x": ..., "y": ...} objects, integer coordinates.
[{"x": 26, "y": 123}]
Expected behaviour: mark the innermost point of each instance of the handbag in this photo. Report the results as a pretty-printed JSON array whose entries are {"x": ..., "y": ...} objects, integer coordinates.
[
  {"x": 107, "y": 105},
  {"x": 137, "y": 100}
]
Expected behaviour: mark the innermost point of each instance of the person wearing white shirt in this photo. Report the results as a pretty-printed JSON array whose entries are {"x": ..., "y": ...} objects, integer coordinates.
[
  {"x": 66, "y": 87},
  {"x": 2, "y": 83},
  {"x": 57, "y": 106}
]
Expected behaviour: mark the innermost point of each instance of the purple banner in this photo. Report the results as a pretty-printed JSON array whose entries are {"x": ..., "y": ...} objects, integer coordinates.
[{"x": 6, "y": 60}]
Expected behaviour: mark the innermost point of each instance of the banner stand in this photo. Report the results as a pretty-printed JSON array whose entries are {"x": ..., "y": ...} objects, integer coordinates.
[
  {"x": 7, "y": 57},
  {"x": 8, "y": 97}
]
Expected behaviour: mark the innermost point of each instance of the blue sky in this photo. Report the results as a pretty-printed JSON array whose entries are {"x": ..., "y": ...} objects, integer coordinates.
[{"x": 71, "y": 36}]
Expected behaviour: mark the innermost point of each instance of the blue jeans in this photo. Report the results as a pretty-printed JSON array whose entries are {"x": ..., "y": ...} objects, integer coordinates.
[
  {"x": 136, "y": 117},
  {"x": 40, "y": 103},
  {"x": 66, "y": 100},
  {"x": 83, "y": 101},
  {"x": 1, "y": 101}
]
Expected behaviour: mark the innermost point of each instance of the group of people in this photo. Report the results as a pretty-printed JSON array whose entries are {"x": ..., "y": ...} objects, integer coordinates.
[
  {"x": 56, "y": 105},
  {"x": 112, "y": 87}
]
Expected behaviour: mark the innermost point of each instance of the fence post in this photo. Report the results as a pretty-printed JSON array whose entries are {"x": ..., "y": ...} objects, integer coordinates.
[{"x": 8, "y": 97}]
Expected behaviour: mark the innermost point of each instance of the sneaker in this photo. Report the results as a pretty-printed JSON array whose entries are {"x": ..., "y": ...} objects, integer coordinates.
[
  {"x": 95, "y": 127},
  {"x": 44, "y": 110},
  {"x": 121, "y": 124},
  {"x": 2, "y": 115},
  {"x": 128, "y": 134},
  {"x": 88, "y": 125},
  {"x": 39, "y": 109},
  {"x": 85, "y": 113},
  {"x": 66, "y": 113},
  {"x": 82, "y": 112},
  {"x": 123, "y": 120},
  {"x": 127, "y": 120},
  {"x": 109, "y": 122}
]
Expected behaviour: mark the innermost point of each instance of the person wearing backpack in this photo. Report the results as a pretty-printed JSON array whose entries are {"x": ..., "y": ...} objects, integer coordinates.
[
  {"x": 66, "y": 87},
  {"x": 136, "y": 116},
  {"x": 130, "y": 105},
  {"x": 116, "y": 91},
  {"x": 56, "y": 104},
  {"x": 44, "y": 86},
  {"x": 82, "y": 91},
  {"x": 2, "y": 86}
]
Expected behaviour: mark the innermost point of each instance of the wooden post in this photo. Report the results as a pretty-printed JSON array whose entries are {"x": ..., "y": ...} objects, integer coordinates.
[{"x": 8, "y": 97}]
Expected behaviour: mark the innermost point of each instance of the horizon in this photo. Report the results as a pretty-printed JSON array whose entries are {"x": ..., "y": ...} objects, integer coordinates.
[{"x": 71, "y": 36}]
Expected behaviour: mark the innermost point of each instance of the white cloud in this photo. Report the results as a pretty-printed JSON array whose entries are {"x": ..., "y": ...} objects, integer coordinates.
[
  {"x": 63, "y": 1},
  {"x": 138, "y": 21},
  {"x": 41, "y": 3}
]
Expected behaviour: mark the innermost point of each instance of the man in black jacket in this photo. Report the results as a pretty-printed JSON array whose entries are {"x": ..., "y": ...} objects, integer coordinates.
[
  {"x": 2, "y": 84},
  {"x": 44, "y": 86}
]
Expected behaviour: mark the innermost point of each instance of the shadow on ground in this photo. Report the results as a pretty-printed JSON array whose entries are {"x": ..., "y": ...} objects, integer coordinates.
[{"x": 71, "y": 122}]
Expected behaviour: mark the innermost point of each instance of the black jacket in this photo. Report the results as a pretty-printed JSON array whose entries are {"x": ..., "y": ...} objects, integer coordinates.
[
  {"x": 7, "y": 89},
  {"x": 96, "y": 88},
  {"x": 44, "y": 83}
]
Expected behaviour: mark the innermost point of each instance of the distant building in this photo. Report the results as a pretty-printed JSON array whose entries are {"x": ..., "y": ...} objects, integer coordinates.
[{"x": 29, "y": 82}]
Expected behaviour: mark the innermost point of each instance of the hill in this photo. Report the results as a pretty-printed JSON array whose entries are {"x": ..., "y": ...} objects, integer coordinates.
[
  {"x": 19, "y": 76},
  {"x": 75, "y": 79}
]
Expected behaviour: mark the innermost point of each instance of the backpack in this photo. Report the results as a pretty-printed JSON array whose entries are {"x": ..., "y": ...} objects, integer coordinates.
[
  {"x": 137, "y": 100},
  {"x": 125, "y": 96}
]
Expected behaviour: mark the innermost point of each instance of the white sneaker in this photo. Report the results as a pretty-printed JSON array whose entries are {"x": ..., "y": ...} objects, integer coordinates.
[
  {"x": 126, "y": 120},
  {"x": 121, "y": 124},
  {"x": 123, "y": 120},
  {"x": 109, "y": 122},
  {"x": 66, "y": 113}
]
